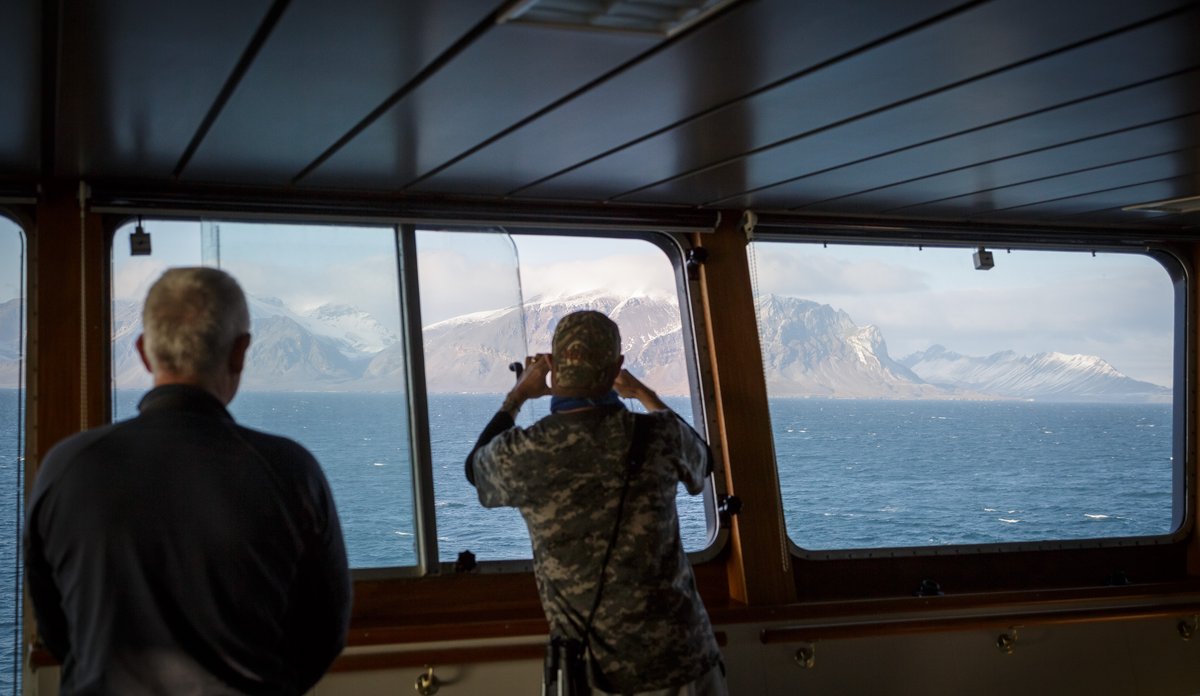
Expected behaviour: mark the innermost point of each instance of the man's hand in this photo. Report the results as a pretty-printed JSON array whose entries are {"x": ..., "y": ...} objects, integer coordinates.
[
  {"x": 531, "y": 385},
  {"x": 629, "y": 387}
]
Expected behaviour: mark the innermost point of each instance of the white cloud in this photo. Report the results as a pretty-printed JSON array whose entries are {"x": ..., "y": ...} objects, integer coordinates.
[
  {"x": 624, "y": 275},
  {"x": 368, "y": 283},
  {"x": 453, "y": 284},
  {"x": 797, "y": 272},
  {"x": 12, "y": 257},
  {"x": 133, "y": 277},
  {"x": 463, "y": 273}
]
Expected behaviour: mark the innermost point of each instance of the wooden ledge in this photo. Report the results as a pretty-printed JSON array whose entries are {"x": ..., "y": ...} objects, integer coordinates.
[
  {"x": 398, "y": 659},
  {"x": 943, "y": 614},
  {"x": 832, "y": 631}
]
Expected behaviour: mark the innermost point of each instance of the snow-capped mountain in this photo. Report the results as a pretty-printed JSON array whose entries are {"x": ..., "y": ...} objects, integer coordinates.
[
  {"x": 128, "y": 371},
  {"x": 471, "y": 353},
  {"x": 809, "y": 349},
  {"x": 1044, "y": 376},
  {"x": 285, "y": 355},
  {"x": 353, "y": 331},
  {"x": 10, "y": 343},
  {"x": 326, "y": 348}
]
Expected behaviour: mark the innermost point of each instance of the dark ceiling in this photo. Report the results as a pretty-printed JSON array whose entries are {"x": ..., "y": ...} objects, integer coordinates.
[{"x": 1055, "y": 112}]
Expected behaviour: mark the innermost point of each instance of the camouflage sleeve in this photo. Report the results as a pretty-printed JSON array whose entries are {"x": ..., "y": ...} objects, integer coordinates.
[
  {"x": 500, "y": 467},
  {"x": 693, "y": 457},
  {"x": 500, "y": 422}
]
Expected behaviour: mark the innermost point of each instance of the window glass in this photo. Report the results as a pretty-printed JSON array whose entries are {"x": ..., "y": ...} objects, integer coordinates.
[
  {"x": 917, "y": 401},
  {"x": 12, "y": 451},
  {"x": 326, "y": 365},
  {"x": 473, "y": 331}
]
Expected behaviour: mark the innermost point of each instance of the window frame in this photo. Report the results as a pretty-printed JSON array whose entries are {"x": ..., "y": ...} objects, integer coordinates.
[
  {"x": 22, "y": 480},
  {"x": 674, "y": 248},
  {"x": 1180, "y": 273},
  {"x": 427, "y": 563}
]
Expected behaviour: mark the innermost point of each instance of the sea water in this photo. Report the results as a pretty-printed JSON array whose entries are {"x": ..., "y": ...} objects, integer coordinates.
[
  {"x": 878, "y": 474},
  {"x": 853, "y": 474},
  {"x": 11, "y": 514}
]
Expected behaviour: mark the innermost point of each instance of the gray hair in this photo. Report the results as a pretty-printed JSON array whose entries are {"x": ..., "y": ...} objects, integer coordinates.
[{"x": 191, "y": 319}]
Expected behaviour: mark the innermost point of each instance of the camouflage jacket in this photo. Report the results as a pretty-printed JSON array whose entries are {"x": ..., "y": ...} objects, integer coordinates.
[{"x": 565, "y": 474}]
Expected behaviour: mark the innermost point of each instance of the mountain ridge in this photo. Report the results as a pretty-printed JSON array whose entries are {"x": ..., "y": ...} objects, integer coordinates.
[{"x": 809, "y": 350}]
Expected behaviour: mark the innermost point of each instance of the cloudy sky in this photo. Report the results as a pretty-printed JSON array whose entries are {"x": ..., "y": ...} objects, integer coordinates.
[
  {"x": 305, "y": 266},
  {"x": 1116, "y": 306},
  {"x": 463, "y": 272},
  {"x": 460, "y": 272}
]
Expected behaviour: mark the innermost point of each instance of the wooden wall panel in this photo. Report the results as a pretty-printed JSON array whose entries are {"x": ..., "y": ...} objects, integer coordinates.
[{"x": 759, "y": 560}]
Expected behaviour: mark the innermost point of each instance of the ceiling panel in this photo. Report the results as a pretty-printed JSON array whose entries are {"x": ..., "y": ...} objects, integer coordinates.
[
  {"x": 750, "y": 48},
  {"x": 879, "y": 183},
  {"x": 325, "y": 67},
  {"x": 139, "y": 77},
  {"x": 994, "y": 110},
  {"x": 1112, "y": 63},
  {"x": 984, "y": 39},
  {"x": 20, "y": 88},
  {"x": 990, "y": 198},
  {"x": 1126, "y": 146},
  {"x": 1100, "y": 205},
  {"x": 1047, "y": 171},
  {"x": 508, "y": 74}
]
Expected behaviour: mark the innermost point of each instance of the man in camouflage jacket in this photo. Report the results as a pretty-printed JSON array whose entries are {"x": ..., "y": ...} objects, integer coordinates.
[{"x": 650, "y": 633}]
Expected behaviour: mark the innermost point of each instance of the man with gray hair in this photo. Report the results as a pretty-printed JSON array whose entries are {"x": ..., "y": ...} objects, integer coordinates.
[
  {"x": 178, "y": 552},
  {"x": 596, "y": 486}
]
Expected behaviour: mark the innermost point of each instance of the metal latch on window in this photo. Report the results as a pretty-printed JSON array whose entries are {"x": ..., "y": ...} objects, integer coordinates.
[
  {"x": 696, "y": 256},
  {"x": 727, "y": 507}
]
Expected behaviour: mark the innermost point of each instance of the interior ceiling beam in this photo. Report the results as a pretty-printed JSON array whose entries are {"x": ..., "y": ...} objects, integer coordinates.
[
  {"x": 429, "y": 71},
  {"x": 51, "y": 45},
  {"x": 239, "y": 71}
]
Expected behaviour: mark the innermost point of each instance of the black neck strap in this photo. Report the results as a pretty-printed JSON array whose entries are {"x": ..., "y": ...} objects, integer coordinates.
[{"x": 637, "y": 451}]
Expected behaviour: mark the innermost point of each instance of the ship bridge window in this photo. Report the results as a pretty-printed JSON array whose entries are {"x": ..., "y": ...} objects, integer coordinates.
[
  {"x": 921, "y": 399},
  {"x": 12, "y": 450},
  {"x": 479, "y": 317},
  {"x": 334, "y": 315},
  {"x": 325, "y": 313}
]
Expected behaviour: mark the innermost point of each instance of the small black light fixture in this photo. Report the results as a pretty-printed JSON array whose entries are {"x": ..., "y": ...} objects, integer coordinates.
[
  {"x": 983, "y": 260},
  {"x": 139, "y": 240},
  {"x": 653, "y": 17},
  {"x": 1172, "y": 206}
]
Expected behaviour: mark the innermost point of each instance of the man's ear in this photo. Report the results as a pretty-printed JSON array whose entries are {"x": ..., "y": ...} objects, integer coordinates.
[
  {"x": 237, "y": 355},
  {"x": 141, "y": 349}
]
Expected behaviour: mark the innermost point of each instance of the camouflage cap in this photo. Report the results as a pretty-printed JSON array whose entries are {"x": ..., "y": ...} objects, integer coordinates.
[{"x": 586, "y": 346}]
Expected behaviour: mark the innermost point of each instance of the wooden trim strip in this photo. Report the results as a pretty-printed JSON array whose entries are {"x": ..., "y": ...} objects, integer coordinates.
[
  {"x": 840, "y": 631},
  {"x": 395, "y": 659},
  {"x": 433, "y": 633},
  {"x": 40, "y": 657}
]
